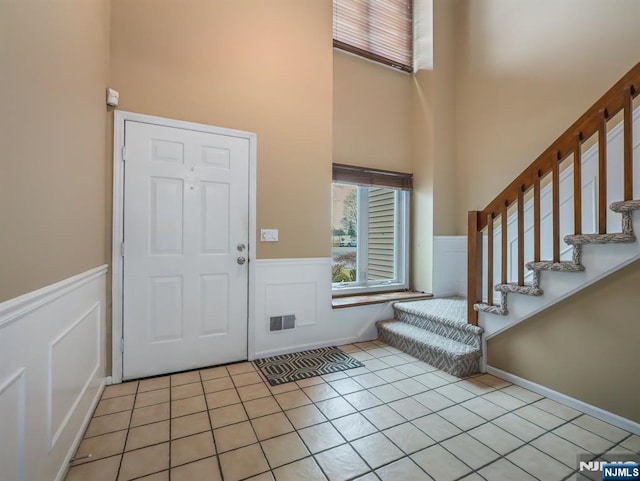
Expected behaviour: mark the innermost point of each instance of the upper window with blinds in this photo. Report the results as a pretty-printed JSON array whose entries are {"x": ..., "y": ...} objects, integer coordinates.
[{"x": 380, "y": 30}]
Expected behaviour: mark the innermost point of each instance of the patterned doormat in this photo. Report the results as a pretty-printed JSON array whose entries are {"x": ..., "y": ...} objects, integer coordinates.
[{"x": 301, "y": 365}]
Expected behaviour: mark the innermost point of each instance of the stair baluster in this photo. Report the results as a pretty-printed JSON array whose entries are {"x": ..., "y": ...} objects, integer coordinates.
[
  {"x": 474, "y": 266},
  {"x": 628, "y": 143},
  {"x": 602, "y": 172},
  {"x": 577, "y": 185},
  {"x": 556, "y": 205},
  {"x": 521, "y": 236},
  {"x": 536, "y": 216},
  {"x": 490, "y": 259},
  {"x": 504, "y": 244}
]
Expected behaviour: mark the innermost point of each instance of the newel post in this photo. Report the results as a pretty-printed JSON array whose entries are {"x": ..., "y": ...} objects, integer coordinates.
[{"x": 474, "y": 266}]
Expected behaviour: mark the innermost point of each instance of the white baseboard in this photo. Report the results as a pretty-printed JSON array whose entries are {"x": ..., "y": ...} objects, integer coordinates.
[
  {"x": 596, "y": 412},
  {"x": 306, "y": 347}
]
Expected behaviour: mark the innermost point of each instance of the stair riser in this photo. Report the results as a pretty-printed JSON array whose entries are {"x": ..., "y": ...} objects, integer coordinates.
[
  {"x": 437, "y": 327},
  {"x": 454, "y": 366}
]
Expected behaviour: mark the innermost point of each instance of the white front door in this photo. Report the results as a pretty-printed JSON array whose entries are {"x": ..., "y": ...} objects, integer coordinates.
[{"x": 186, "y": 231}]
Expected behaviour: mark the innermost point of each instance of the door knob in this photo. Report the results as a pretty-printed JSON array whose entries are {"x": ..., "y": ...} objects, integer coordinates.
[{"x": 241, "y": 260}]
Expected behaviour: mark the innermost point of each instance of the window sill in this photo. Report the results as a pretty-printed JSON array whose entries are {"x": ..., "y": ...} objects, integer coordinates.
[{"x": 341, "y": 302}]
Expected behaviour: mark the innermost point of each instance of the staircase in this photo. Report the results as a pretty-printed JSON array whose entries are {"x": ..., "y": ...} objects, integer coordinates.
[
  {"x": 576, "y": 201},
  {"x": 435, "y": 331},
  {"x": 558, "y": 207}
]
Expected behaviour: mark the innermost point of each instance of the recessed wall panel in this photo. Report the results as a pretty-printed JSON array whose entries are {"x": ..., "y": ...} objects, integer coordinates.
[
  {"x": 12, "y": 426},
  {"x": 216, "y": 157},
  {"x": 298, "y": 298},
  {"x": 215, "y": 218},
  {"x": 73, "y": 362},
  {"x": 214, "y": 295},
  {"x": 167, "y": 151},
  {"x": 165, "y": 310},
  {"x": 167, "y": 216}
]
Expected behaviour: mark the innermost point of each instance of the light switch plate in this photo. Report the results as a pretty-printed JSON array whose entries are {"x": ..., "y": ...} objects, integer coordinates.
[{"x": 269, "y": 235}]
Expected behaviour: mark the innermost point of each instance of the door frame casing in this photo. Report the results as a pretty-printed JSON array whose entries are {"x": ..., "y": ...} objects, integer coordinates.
[{"x": 117, "y": 261}]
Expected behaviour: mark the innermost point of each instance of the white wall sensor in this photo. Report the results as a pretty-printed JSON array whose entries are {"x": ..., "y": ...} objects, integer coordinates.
[{"x": 113, "y": 96}]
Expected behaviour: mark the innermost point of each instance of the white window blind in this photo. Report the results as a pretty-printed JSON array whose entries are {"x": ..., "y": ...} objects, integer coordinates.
[{"x": 380, "y": 30}]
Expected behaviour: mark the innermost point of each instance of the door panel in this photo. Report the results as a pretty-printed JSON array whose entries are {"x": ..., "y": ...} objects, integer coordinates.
[{"x": 186, "y": 211}]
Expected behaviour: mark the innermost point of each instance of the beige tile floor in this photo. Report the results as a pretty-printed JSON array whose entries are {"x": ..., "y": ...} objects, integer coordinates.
[{"x": 396, "y": 419}]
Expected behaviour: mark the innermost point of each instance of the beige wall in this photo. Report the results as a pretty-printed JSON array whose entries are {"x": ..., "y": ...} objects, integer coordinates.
[
  {"x": 525, "y": 71},
  {"x": 434, "y": 146},
  {"x": 371, "y": 114},
  {"x": 263, "y": 67},
  {"x": 422, "y": 204},
  {"x": 584, "y": 347},
  {"x": 53, "y": 75},
  {"x": 445, "y": 199}
]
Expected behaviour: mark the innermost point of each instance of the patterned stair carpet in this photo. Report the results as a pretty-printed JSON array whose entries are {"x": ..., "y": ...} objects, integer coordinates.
[
  {"x": 301, "y": 365},
  {"x": 435, "y": 331}
]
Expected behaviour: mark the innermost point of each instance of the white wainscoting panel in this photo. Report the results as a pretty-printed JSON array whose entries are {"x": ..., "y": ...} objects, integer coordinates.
[
  {"x": 12, "y": 419},
  {"x": 449, "y": 266},
  {"x": 74, "y": 360},
  {"x": 303, "y": 287},
  {"x": 52, "y": 372}
]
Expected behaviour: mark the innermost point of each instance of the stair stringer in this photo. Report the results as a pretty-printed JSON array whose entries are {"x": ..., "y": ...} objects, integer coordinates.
[{"x": 600, "y": 260}]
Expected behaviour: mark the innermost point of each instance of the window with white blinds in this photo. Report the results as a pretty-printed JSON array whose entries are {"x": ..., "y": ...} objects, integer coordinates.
[{"x": 380, "y": 30}]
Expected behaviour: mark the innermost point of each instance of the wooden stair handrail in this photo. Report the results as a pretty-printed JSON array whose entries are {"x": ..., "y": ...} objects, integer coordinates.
[{"x": 588, "y": 124}]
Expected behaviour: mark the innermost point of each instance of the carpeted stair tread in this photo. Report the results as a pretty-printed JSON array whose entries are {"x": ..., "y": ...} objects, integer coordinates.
[
  {"x": 514, "y": 288},
  {"x": 451, "y": 311},
  {"x": 456, "y": 358},
  {"x": 562, "y": 266},
  {"x": 625, "y": 206},
  {"x": 614, "y": 238},
  {"x": 444, "y": 316}
]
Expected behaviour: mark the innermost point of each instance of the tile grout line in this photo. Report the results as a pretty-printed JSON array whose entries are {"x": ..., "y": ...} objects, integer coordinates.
[
  {"x": 209, "y": 414},
  {"x": 258, "y": 441},
  {"x": 169, "y": 468},
  {"x": 126, "y": 438}
]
